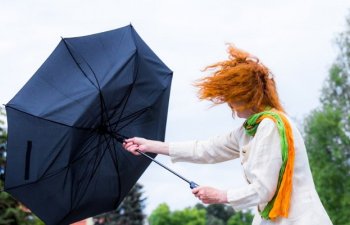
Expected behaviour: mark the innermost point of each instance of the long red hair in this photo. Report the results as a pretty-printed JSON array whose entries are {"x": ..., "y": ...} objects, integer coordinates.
[{"x": 241, "y": 79}]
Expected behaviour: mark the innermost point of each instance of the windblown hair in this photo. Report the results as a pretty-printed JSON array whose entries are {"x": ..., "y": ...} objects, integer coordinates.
[{"x": 241, "y": 79}]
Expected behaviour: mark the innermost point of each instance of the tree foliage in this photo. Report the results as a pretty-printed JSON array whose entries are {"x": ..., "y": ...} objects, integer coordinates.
[
  {"x": 216, "y": 214},
  {"x": 241, "y": 218},
  {"x": 188, "y": 216},
  {"x": 219, "y": 211},
  {"x": 327, "y": 136},
  {"x": 130, "y": 211},
  {"x": 3, "y": 137}
]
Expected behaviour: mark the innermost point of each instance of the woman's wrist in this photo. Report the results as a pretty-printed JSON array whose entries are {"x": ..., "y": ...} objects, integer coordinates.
[
  {"x": 159, "y": 147},
  {"x": 224, "y": 198}
]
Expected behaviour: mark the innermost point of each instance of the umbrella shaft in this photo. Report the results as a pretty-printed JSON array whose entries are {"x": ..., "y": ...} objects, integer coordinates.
[
  {"x": 170, "y": 170},
  {"x": 121, "y": 138}
]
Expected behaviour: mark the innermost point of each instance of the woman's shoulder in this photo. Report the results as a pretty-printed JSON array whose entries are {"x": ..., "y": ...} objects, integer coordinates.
[
  {"x": 241, "y": 135},
  {"x": 239, "y": 131},
  {"x": 270, "y": 124}
]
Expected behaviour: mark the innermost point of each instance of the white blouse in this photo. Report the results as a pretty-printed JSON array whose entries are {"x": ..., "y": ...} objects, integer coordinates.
[{"x": 261, "y": 160}]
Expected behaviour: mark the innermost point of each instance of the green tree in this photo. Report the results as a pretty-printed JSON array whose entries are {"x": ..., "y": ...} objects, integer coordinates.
[
  {"x": 327, "y": 136},
  {"x": 212, "y": 220},
  {"x": 3, "y": 138},
  {"x": 219, "y": 211},
  {"x": 217, "y": 214},
  {"x": 241, "y": 218},
  {"x": 160, "y": 216},
  {"x": 130, "y": 211},
  {"x": 188, "y": 216},
  {"x": 11, "y": 211}
]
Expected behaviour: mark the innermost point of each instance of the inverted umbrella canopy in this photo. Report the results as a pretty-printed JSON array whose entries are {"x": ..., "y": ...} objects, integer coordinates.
[{"x": 64, "y": 161}]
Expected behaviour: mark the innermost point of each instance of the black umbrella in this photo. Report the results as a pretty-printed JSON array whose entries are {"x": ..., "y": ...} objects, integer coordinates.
[{"x": 64, "y": 158}]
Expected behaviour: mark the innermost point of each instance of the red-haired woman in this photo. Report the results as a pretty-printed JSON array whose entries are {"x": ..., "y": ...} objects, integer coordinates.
[{"x": 270, "y": 147}]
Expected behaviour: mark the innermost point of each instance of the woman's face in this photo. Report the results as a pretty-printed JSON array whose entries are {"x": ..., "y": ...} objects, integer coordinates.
[{"x": 240, "y": 113}]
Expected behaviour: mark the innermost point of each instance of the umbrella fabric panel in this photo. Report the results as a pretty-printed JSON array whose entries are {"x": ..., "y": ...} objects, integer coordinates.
[
  {"x": 150, "y": 124},
  {"x": 104, "y": 53},
  {"x": 39, "y": 147},
  {"x": 147, "y": 89},
  {"x": 148, "y": 53},
  {"x": 45, "y": 96}
]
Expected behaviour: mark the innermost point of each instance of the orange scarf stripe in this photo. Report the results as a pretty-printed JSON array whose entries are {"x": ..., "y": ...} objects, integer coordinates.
[
  {"x": 282, "y": 200},
  {"x": 280, "y": 203}
]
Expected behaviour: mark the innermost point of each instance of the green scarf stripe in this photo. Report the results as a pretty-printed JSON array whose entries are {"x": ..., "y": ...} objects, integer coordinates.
[{"x": 251, "y": 127}]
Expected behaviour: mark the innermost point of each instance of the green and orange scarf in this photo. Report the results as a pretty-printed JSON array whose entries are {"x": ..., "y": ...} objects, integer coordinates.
[{"x": 280, "y": 203}]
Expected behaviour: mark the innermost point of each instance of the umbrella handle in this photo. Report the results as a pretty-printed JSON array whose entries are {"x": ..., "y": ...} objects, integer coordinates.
[{"x": 193, "y": 185}]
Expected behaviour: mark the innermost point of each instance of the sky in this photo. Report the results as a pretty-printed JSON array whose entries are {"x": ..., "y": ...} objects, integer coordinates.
[{"x": 295, "y": 39}]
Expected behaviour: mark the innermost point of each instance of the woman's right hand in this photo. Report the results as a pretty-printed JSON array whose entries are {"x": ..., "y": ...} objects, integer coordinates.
[
  {"x": 136, "y": 143},
  {"x": 145, "y": 145}
]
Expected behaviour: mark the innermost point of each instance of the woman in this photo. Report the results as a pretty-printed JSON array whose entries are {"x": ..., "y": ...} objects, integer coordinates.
[{"x": 270, "y": 147}]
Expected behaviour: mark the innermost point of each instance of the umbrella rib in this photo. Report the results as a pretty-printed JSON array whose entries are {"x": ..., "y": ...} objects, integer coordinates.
[
  {"x": 102, "y": 102},
  {"x": 84, "y": 147},
  {"x": 56, "y": 157},
  {"x": 132, "y": 115},
  {"x": 139, "y": 113},
  {"x": 76, "y": 62},
  {"x": 115, "y": 161},
  {"x": 124, "y": 153},
  {"x": 93, "y": 173},
  {"x": 43, "y": 177},
  {"x": 129, "y": 93},
  {"x": 85, "y": 174},
  {"x": 132, "y": 119},
  {"x": 36, "y": 181},
  {"x": 116, "y": 165},
  {"x": 124, "y": 97},
  {"x": 66, "y": 96},
  {"x": 95, "y": 156},
  {"x": 52, "y": 121}
]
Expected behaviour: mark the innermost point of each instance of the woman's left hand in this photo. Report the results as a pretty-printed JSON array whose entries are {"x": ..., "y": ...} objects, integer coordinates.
[{"x": 209, "y": 195}]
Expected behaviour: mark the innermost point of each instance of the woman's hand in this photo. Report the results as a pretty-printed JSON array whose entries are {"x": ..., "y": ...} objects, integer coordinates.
[
  {"x": 145, "y": 145},
  {"x": 136, "y": 143},
  {"x": 209, "y": 195}
]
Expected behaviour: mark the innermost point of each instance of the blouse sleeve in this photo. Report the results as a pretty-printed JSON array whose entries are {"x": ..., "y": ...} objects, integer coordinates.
[
  {"x": 262, "y": 169},
  {"x": 214, "y": 150}
]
